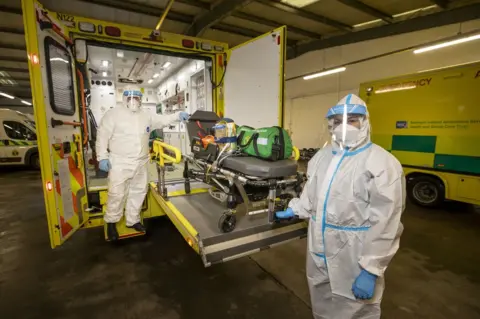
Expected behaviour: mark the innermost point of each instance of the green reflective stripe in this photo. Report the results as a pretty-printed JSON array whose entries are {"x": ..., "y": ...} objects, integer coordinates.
[
  {"x": 469, "y": 164},
  {"x": 414, "y": 143}
]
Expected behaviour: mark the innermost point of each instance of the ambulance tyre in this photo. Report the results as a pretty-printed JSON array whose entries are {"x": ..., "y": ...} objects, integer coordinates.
[
  {"x": 426, "y": 191},
  {"x": 34, "y": 161},
  {"x": 227, "y": 222}
]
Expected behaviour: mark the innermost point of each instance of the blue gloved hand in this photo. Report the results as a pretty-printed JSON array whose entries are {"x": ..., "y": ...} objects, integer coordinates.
[
  {"x": 285, "y": 214},
  {"x": 183, "y": 116},
  {"x": 104, "y": 165},
  {"x": 364, "y": 285}
]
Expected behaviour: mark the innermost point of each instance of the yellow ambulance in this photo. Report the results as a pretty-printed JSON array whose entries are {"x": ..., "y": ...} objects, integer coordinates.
[
  {"x": 430, "y": 121},
  {"x": 18, "y": 139}
]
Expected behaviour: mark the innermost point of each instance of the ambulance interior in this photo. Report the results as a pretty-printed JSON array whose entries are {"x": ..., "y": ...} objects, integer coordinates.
[{"x": 169, "y": 83}]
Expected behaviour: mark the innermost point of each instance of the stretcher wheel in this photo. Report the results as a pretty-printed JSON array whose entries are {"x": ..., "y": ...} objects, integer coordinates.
[{"x": 227, "y": 222}]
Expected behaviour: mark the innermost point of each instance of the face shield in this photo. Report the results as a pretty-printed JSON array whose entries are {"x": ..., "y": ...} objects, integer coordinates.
[
  {"x": 132, "y": 99},
  {"x": 347, "y": 122}
]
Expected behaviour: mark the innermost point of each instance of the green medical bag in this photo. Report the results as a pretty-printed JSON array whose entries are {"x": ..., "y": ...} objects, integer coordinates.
[{"x": 270, "y": 143}]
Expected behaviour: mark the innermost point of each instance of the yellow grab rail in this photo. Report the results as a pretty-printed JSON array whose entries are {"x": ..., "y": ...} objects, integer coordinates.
[
  {"x": 161, "y": 157},
  {"x": 296, "y": 153}
]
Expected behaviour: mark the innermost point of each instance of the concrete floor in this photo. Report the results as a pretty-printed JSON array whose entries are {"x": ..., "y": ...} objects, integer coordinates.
[{"x": 436, "y": 273}]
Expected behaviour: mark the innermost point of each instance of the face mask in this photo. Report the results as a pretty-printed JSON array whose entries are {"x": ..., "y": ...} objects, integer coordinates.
[
  {"x": 134, "y": 105},
  {"x": 351, "y": 135}
]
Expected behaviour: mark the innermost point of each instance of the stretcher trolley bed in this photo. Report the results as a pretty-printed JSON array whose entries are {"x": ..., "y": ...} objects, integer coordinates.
[{"x": 227, "y": 212}]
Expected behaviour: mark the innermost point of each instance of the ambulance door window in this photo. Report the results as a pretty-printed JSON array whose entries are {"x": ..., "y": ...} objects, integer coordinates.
[
  {"x": 18, "y": 131},
  {"x": 60, "y": 78}
]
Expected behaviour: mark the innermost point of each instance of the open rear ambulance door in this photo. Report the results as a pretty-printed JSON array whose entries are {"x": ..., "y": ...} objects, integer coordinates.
[
  {"x": 254, "y": 81},
  {"x": 253, "y": 96},
  {"x": 57, "y": 114}
]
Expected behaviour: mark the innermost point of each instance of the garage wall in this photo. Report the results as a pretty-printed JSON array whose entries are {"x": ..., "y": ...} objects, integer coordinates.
[{"x": 308, "y": 101}]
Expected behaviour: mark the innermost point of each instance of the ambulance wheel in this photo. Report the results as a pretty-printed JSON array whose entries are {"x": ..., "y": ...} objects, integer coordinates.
[
  {"x": 426, "y": 191},
  {"x": 34, "y": 161},
  {"x": 227, "y": 222}
]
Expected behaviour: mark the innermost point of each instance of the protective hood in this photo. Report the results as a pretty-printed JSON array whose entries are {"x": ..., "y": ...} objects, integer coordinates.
[{"x": 343, "y": 134}]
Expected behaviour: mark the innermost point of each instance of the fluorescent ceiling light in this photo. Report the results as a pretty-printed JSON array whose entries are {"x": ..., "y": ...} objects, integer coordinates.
[
  {"x": 120, "y": 54},
  {"x": 166, "y": 64},
  {"x": 59, "y": 59},
  {"x": 398, "y": 15},
  {"x": 105, "y": 63},
  {"x": 447, "y": 44},
  {"x": 323, "y": 73},
  {"x": 25, "y": 102},
  {"x": 150, "y": 81},
  {"x": 104, "y": 74},
  {"x": 299, "y": 3},
  {"x": 7, "y": 95},
  {"x": 156, "y": 75}
]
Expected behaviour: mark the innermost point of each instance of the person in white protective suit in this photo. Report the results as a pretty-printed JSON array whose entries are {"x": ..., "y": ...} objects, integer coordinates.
[
  {"x": 123, "y": 151},
  {"x": 354, "y": 198}
]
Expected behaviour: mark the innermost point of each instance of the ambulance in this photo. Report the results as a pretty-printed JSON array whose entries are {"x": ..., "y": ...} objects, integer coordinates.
[
  {"x": 18, "y": 140},
  {"x": 430, "y": 121},
  {"x": 79, "y": 67}
]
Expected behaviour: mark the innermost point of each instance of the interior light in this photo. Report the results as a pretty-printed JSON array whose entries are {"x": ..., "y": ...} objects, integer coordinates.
[
  {"x": 447, "y": 44},
  {"x": 156, "y": 75},
  {"x": 166, "y": 64},
  {"x": 25, "y": 102},
  {"x": 119, "y": 54},
  {"x": 323, "y": 73},
  {"x": 150, "y": 81},
  {"x": 104, "y": 74},
  {"x": 49, "y": 186},
  {"x": 7, "y": 95},
  {"x": 105, "y": 63}
]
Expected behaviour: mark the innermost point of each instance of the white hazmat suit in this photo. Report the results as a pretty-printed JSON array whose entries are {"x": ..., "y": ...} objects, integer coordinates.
[
  {"x": 123, "y": 138},
  {"x": 354, "y": 197}
]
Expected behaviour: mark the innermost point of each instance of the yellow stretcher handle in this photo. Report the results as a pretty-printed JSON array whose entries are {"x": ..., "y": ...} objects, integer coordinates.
[
  {"x": 296, "y": 153},
  {"x": 159, "y": 154}
]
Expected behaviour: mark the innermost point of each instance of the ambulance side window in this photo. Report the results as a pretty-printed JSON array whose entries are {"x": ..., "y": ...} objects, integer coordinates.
[
  {"x": 60, "y": 77},
  {"x": 18, "y": 131}
]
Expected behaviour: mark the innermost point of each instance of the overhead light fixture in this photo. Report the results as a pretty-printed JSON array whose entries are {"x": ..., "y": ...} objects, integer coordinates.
[
  {"x": 398, "y": 15},
  {"x": 119, "y": 54},
  {"x": 104, "y": 74},
  {"x": 447, "y": 44},
  {"x": 323, "y": 73},
  {"x": 299, "y": 3},
  {"x": 150, "y": 81},
  {"x": 166, "y": 64},
  {"x": 7, "y": 95},
  {"x": 25, "y": 102},
  {"x": 156, "y": 75},
  {"x": 105, "y": 63}
]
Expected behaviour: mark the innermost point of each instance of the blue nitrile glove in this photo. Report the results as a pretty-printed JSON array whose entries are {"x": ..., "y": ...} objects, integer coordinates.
[
  {"x": 183, "y": 116},
  {"x": 285, "y": 214},
  {"x": 104, "y": 165},
  {"x": 364, "y": 285}
]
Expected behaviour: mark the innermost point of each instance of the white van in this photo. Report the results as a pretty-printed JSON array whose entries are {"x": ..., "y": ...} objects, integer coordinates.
[{"x": 18, "y": 139}]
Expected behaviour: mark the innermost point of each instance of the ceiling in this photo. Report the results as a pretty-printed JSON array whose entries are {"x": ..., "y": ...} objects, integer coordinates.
[
  {"x": 318, "y": 25},
  {"x": 131, "y": 64}
]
